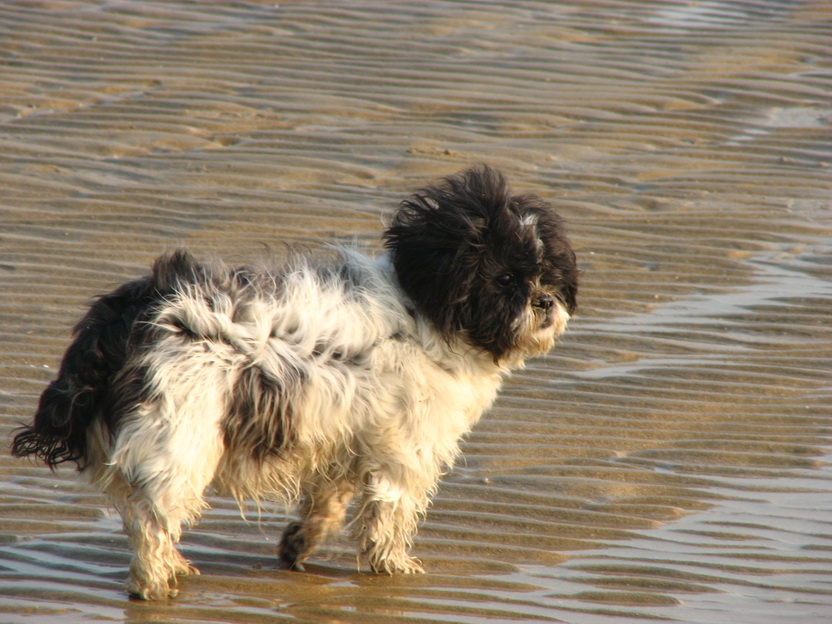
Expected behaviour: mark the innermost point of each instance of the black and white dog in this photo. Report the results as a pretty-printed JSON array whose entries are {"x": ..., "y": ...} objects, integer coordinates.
[{"x": 312, "y": 382}]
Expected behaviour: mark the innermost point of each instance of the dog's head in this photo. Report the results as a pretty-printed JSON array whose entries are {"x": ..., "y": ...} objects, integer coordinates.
[{"x": 485, "y": 266}]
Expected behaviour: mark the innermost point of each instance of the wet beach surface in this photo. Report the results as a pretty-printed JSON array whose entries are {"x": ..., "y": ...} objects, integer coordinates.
[{"x": 668, "y": 461}]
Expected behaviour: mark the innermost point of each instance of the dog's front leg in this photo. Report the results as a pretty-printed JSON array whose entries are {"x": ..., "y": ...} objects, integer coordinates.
[
  {"x": 393, "y": 502},
  {"x": 322, "y": 511}
]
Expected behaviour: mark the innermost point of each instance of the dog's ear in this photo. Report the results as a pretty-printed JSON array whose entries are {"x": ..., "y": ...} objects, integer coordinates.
[{"x": 435, "y": 239}]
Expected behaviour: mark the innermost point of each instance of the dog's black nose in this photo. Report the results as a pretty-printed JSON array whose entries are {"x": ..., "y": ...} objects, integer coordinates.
[{"x": 545, "y": 302}]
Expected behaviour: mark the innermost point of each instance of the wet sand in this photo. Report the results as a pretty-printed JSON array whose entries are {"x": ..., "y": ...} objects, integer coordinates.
[{"x": 668, "y": 461}]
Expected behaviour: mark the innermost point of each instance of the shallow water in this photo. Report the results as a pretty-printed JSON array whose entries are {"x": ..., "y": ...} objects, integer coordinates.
[{"x": 668, "y": 461}]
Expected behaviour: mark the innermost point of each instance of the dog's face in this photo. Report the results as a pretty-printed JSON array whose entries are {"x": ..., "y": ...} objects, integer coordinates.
[{"x": 493, "y": 269}]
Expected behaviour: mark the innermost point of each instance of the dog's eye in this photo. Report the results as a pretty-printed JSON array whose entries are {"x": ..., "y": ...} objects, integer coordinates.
[{"x": 506, "y": 279}]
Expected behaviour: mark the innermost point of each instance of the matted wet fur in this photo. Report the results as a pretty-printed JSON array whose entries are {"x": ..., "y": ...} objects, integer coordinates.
[{"x": 312, "y": 382}]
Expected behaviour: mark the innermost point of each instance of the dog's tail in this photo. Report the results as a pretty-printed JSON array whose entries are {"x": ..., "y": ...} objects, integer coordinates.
[{"x": 103, "y": 341}]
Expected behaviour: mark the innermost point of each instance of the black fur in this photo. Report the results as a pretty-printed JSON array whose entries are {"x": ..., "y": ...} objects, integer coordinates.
[
  {"x": 259, "y": 420},
  {"x": 480, "y": 286},
  {"x": 292, "y": 546},
  {"x": 93, "y": 382},
  {"x": 103, "y": 341}
]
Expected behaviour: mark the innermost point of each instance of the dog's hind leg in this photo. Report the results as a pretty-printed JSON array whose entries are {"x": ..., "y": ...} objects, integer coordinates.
[
  {"x": 322, "y": 510},
  {"x": 156, "y": 561},
  {"x": 161, "y": 468},
  {"x": 154, "y": 513}
]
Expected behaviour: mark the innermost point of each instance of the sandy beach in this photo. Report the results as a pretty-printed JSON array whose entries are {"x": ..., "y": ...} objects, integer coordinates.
[{"x": 668, "y": 461}]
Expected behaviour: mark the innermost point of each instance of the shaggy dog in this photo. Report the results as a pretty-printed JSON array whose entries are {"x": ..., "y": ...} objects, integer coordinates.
[{"x": 314, "y": 382}]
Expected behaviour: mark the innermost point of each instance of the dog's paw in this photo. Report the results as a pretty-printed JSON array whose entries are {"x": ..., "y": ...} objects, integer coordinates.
[
  {"x": 183, "y": 567},
  {"x": 292, "y": 549},
  {"x": 411, "y": 566},
  {"x": 151, "y": 591},
  {"x": 148, "y": 587},
  {"x": 187, "y": 570},
  {"x": 403, "y": 565}
]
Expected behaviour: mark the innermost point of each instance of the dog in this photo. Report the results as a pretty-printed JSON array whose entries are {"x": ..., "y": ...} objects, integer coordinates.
[{"x": 314, "y": 382}]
